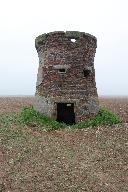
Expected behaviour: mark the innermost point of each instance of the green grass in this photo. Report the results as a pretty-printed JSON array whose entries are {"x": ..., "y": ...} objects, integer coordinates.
[
  {"x": 104, "y": 117},
  {"x": 30, "y": 117}
]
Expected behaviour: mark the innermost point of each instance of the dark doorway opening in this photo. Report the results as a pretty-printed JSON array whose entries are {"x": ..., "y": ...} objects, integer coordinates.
[{"x": 65, "y": 113}]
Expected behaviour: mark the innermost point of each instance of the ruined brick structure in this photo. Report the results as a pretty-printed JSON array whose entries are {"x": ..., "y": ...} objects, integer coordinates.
[{"x": 66, "y": 89}]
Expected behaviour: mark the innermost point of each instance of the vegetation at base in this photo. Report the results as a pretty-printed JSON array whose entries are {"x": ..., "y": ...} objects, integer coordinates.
[
  {"x": 30, "y": 117},
  {"x": 104, "y": 117}
]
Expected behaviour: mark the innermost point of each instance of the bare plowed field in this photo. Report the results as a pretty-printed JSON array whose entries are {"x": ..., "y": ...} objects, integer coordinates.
[
  {"x": 86, "y": 160},
  {"x": 14, "y": 104}
]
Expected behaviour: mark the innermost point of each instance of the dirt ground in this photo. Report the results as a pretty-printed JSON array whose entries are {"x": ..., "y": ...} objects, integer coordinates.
[
  {"x": 90, "y": 160},
  {"x": 14, "y": 104}
]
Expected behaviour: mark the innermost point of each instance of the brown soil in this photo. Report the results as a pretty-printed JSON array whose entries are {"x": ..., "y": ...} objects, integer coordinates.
[
  {"x": 14, "y": 104},
  {"x": 92, "y": 160}
]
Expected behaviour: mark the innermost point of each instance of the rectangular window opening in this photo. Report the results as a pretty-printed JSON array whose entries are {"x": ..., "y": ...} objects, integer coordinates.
[{"x": 62, "y": 71}]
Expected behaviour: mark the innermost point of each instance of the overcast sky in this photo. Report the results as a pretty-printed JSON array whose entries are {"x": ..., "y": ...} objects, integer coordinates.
[{"x": 22, "y": 20}]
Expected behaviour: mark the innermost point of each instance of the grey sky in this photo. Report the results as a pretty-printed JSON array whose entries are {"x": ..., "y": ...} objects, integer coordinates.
[{"x": 22, "y": 20}]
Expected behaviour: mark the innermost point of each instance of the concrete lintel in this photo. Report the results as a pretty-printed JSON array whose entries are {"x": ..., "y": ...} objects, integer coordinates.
[{"x": 61, "y": 66}]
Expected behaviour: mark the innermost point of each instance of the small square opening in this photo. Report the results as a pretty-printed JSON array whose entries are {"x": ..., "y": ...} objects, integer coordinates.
[
  {"x": 86, "y": 72},
  {"x": 73, "y": 40}
]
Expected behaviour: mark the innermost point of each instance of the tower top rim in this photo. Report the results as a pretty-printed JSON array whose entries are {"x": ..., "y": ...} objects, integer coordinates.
[{"x": 41, "y": 39}]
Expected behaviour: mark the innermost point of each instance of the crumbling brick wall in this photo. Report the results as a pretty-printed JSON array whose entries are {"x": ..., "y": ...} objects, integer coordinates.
[{"x": 66, "y": 73}]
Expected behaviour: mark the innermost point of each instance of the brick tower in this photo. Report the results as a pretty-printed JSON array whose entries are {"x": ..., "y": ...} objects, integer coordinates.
[{"x": 66, "y": 89}]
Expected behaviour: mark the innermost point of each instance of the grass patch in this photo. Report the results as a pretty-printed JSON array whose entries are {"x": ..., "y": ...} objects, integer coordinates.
[
  {"x": 104, "y": 117},
  {"x": 30, "y": 117}
]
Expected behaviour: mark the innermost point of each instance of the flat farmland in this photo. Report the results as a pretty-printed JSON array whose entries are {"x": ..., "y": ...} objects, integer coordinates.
[
  {"x": 14, "y": 104},
  {"x": 80, "y": 160}
]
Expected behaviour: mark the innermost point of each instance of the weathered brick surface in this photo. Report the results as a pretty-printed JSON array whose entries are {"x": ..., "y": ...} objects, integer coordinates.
[{"x": 57, "y": 51}]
